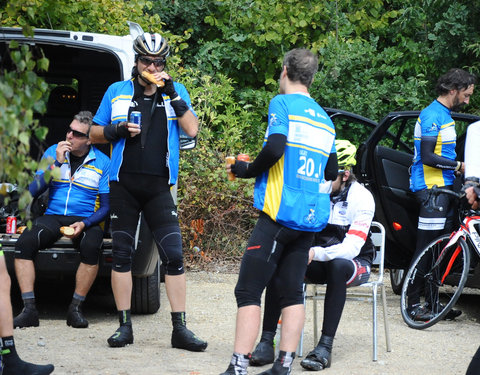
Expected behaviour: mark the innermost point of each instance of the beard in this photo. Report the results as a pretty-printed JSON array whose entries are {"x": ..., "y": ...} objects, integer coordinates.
[{"x": 457, "y": 105}]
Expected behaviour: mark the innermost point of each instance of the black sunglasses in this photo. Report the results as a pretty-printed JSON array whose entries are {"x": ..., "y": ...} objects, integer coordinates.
[
  {"x": 157, "y": 62},
  {"x": 76, "y": 133}
]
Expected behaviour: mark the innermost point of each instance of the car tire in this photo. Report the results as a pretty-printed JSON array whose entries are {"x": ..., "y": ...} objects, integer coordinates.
[
  {"x": 397, "y": 277},
  {"x": 146, "y": 293}
]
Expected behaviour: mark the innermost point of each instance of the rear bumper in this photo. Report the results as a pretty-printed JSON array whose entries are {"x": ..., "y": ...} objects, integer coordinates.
[{"x": 60, "y": 259}]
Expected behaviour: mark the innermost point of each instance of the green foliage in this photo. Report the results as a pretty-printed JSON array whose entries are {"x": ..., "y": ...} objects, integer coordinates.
[
  {"x": 21, "y": 92},
  {"x": 360, "y": 77},
  {"x": 102, "y": 16},
  {"x": 376, "y": 56},
  {"x": 205, "y": 194}
]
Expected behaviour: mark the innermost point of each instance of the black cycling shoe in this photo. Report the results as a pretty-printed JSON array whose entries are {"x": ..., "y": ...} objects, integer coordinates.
[
  {"x": 419, "y": 313},
  {"x": 318, "y": 359},
  {"x": 264, "y": 352},
  {"x": 122, "y": 336},
  {"x": 27, "y": 318},
  {"x": 75, "y": 317},
  {"x": 183, "y": 338},
  {"x": 277, "y": 369},
  {"x": 452, "y": 314},
  {"x": 321, "y": 357},
  {"x": 26, "y": 368},
  {"x": 230, "y": 370}
]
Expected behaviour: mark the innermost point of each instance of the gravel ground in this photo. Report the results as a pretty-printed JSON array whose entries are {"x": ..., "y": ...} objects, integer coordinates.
[{"x": 445, "y": 348}]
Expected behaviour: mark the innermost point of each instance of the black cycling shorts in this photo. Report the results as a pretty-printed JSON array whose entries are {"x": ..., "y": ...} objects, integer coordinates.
[
  {"x": 273, "y": 247},
  {"x": 351, "y": 272},
  {"x": 45, "y": 232},
  {"x": 136, "y": 193}
]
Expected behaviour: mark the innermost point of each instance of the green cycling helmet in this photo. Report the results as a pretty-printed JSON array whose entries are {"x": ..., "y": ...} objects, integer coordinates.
[{"x": 345, "y": 153}]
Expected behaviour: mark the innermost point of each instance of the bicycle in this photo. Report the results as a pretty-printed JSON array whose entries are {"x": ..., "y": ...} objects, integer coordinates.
[{"x": 437, "y": 276}]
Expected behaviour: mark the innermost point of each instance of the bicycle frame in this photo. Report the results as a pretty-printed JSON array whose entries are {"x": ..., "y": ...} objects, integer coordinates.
[{"x": 443, "y": 266}]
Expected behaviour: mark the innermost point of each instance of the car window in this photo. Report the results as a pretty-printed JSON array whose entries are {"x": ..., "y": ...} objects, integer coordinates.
[
  {"x": 349, "y": 126},
  {"x": 400, "y": 134}
]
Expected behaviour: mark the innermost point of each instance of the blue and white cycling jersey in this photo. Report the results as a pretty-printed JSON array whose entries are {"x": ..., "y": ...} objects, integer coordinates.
[
  {"x": 114, "y": 108},
  {"x": 292, "y": 192},
  {"x": 434, "y": 121},
  {"x": 76, "y": 194}
]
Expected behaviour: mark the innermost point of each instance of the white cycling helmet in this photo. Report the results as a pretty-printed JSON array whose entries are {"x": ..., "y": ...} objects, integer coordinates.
[{"x": 151, "y": 44}]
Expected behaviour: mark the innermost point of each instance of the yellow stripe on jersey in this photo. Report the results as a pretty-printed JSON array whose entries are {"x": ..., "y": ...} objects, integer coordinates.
[
  {"x": 307, "y": 148},
  {"x": 318, "y": 124},
  {"x": 447, "y": 125},
  {"x": 433, "y": 176},
  {"x": 438, "y": 146},
  {"x": 273, "y": 191},
  {"x": 122, "y": 97},
  {"x": 89, "y": 166}
]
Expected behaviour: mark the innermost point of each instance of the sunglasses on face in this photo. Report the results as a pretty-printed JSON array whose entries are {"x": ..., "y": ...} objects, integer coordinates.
[
  {"x": 157, "y": 62},
  {"x": 76, "y": 133}
]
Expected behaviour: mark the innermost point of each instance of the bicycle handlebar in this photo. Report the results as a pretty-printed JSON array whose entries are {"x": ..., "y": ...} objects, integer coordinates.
[{"x": 433, "y": 193}]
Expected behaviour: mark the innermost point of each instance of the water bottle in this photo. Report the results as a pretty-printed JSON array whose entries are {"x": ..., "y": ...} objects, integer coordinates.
[{"x": 276, "y": 340}]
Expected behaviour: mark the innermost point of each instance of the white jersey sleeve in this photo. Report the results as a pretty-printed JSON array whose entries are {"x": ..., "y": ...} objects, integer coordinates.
[{"x": 359, "y": 215}]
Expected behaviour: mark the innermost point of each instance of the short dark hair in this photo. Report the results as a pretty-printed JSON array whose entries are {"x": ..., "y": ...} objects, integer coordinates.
[
  {"x": 85, "y": 117},
  {"x": 301, "y": 65},
  {"x": 454, "y": 79}
]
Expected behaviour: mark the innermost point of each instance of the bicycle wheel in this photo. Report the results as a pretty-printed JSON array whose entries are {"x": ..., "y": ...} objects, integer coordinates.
[{"x": 433, "y": 284}]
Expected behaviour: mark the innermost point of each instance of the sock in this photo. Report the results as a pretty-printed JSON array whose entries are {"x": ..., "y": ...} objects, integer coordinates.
[
  {"x": 178, "y": 319},
  {"x": 8, "y": 352},
  {"x": 286, "y": 358},
  {"x": 13, "y": 365},
  {"x": 240, "y": 363},
  {"x": 29, "y": 299},
  {"x": 77, "y": 299},
  {"x": 124, "y": 317}
]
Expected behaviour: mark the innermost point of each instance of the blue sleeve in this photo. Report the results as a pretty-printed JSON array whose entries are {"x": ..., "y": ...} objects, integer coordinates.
[
  {"x": 277, "y": 117},
  {"x": 103, "y": 187},
  {"x": 102, "y": 212},
  {"x": 39, "y": 185},
  {"x": 182, "y": 91}
]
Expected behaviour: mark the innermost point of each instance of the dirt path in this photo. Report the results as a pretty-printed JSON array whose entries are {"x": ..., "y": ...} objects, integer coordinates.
[{"x": 443, "y": 349}]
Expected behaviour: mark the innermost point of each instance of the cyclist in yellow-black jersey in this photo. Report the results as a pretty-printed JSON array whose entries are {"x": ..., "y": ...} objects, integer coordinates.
[{"x": 435, "y": 163}]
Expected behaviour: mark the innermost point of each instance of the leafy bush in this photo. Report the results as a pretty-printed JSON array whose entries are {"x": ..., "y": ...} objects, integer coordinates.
[{"x": 216, "y": 214}]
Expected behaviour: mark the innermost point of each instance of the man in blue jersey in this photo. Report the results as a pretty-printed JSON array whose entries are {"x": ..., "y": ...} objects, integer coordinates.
[
  {"x": 10, "y": 362},
  {"x": 341, "y": 257},
  {"x": 435, "y": 163},
  {"x": 289, "y": 193},
  {"x": 73, "y": 195},
  {"x": 145, "y": 164}
]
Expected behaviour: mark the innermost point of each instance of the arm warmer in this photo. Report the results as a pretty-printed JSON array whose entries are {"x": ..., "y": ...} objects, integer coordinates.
[
  {"x": 268, "y": 156},
  {"x": 113, "y": 132},
  {"x": 331, "y": 169},
  {"x": 102, "y": 212},
  {"x": 179, "y": 106},
  {"x": 427, "y": 148}
]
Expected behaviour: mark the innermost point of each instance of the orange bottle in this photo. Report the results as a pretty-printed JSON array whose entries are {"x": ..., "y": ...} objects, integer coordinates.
[{"x": 229, "y": 160}]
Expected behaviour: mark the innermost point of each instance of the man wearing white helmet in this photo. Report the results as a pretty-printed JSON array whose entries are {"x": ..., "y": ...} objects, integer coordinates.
[
  {"x": 144, "y": 167},
  {"x": 341, "y": 257}
]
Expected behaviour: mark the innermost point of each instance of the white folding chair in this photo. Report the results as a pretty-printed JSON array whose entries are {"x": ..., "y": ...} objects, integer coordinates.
[{"x": 374, "y": 284}]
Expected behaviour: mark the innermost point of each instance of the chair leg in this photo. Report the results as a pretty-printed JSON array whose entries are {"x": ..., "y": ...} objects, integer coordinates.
[
  {"x": 315, "y": 321},
  {"x": 385, "y": 321},
  {"x": 300, "y": 344},
  {"x": 374, "y": 296}
]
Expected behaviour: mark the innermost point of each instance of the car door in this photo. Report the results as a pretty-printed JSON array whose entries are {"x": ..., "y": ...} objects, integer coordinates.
[{"x": 383, "y": 165}]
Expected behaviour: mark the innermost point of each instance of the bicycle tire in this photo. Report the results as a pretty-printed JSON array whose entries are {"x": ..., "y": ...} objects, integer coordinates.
[{"x": 436, "y": 295}]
